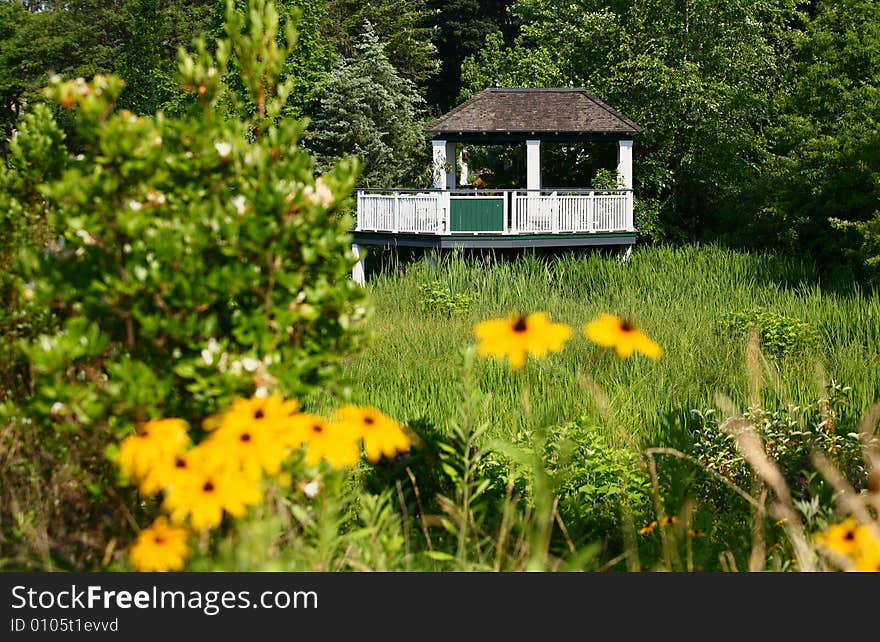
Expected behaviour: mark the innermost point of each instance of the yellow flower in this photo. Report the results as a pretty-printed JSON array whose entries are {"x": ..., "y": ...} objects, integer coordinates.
[
  {"x": 139, "y": 452},
  {"x": 382, "y": 435},
  {"x": 867, "y": 560},
  {"x": 518, "y": 335},
  {"x": 842, "y": 539},
  {"x": 210, "y": 488},
  {"x": 611, "y": 332},
  {"x": 336, "y": 443},
  {"x": 161, "y": 547},
  {"x": 669, "y": 520},
  {"x": 170, "y": 469},
  {"x": 273, "y": 411},
  {"x": 644, "y": 530}
]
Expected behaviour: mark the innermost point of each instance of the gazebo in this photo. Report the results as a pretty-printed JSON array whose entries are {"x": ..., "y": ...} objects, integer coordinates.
[{"x": 448, "y": 216}]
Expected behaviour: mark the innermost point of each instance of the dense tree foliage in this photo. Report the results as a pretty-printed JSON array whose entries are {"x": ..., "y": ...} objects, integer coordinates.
[
  {"x": 761, "y": 118},
  {"x": 462, "y": 29},
  {"x": 826, "y": 167}
]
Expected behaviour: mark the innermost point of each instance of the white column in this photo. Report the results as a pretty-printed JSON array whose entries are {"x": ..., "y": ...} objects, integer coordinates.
[
  {"x": 625, "y": 163},
  {"x": 439, "y": 163},
  {"x": 533, "y": 164},
  {"x": 463, "y": 178},
  {"x": 357, "y": 272},
  {"x": 450, "y": 164}
]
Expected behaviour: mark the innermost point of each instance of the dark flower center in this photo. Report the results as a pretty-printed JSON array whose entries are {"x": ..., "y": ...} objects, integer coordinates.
[
  {"x": 520, "y": 325},
  {"x": 245, "y": 437},
  {"x": 849, "y": 536},
  {"x": 259, "y": 414},
  {"x": 158, "y": 540},
  {"x": 317, "y": 429},
  {"x": 179, "y": 462},
  {"x": 627, "y": 326},
  {"x": 208, "y": 487},
  {"x": 369, "y": 421}
]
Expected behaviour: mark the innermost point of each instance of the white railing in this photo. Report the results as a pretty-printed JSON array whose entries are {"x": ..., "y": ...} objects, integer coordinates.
[
  {"x": 526, "y": 212},
  {"x": 417, "y": 213},
  {"x": 561, "y": 213}
]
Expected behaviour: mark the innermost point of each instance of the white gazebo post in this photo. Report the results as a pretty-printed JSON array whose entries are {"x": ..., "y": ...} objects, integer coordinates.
[
  {"x": 450, "y": 165},
  {"x": 357, "y": 272},
  {"x": 625, "y": 173},
  {"x": 533, "y": 164},
  {"x": 463, "y": 177},
  {"x": 439, "y": 163}
]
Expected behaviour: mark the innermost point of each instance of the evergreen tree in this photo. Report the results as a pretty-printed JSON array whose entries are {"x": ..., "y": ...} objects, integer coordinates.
[{"x": 367, "y": 110}]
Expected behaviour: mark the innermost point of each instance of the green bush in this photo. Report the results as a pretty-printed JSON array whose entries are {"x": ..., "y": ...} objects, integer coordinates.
[
  {"x": 197, "y": 259},
  {"x": 779, "y": 335},
  {"x": 435, "y": 298},
  {"x": 790, "y": 435}
]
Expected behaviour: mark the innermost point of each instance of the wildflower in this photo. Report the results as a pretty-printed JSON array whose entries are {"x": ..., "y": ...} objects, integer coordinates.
[
  {"x": 153, "y": 440},
  {"x": 867, "y": 560},
  {"x": 519, "y": 335},
  {"x": 252, "y": 435},
  {"x": 696, "y": 532},
  {"x": 210, "y": 489},
  {"x": 611, "y": 332},
  {"x": 336, "y": 443},
  {"x": 169, "y": 470},
  {"x": 668, "y": 521},
  {"x": 161, "y": 547},
  {"x": 382, "y": 435},
  {"x": 644, "y": 530},
  {"x": 841, "y": 539}
]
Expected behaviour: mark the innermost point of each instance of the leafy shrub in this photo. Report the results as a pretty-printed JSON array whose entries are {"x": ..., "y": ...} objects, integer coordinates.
[
  {"x": 789, "y": 436},
  {"x": 606, "y": 179},
  {"x": 197, "y": 259},
  {"x": 779, "y": 334},
  {"x": 435, "y": 298},
  {"x": 594, "y": 482}
]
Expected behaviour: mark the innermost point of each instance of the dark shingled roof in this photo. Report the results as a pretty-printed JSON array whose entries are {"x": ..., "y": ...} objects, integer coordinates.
[{"x": 519, "y": 111}]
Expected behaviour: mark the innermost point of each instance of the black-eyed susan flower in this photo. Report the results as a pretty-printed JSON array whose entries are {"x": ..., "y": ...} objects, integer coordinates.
[
  {"x": 519, "y": 335},
  {"x": 669, "y": 520},
  {"x": 336, "y": 443},
  {"x": 625, "y": 337},
  {"x": 170, "y": 469},
  {"x": 382, "y": 435},
  {"x": 843, "y": 538},
  {"x": 209, "y": 489},
  {"x": 152, "y": 441},
  {"x": 867, "y": 559},
  {"x": 161, "y": 547},
  {"x": 273, "y": 411}
]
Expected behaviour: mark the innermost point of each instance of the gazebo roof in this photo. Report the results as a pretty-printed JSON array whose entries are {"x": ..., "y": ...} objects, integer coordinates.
[{"x": 565, "y": 113}]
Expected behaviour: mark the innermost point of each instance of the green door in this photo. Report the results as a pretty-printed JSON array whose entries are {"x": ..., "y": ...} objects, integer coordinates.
[{"x": 470, "y": 214}]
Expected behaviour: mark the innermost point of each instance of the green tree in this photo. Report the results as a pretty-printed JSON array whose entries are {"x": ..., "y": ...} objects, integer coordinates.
[
  {"x": 405, "y": 26},
  {"x": 826, "y": 153},
  {"x": 147, "y": 59},
  {"x": 367, "y": 110},
  {"x": 462, "y": 29},
  {"x": 698, "y": 76}
]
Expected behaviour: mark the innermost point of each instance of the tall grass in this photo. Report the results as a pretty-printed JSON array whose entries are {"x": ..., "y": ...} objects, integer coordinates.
[{"x": 677, "y": 295}]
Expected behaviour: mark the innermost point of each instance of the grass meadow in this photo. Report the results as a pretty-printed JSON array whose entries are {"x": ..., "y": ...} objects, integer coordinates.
[{"x": 679, "y": 296}]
